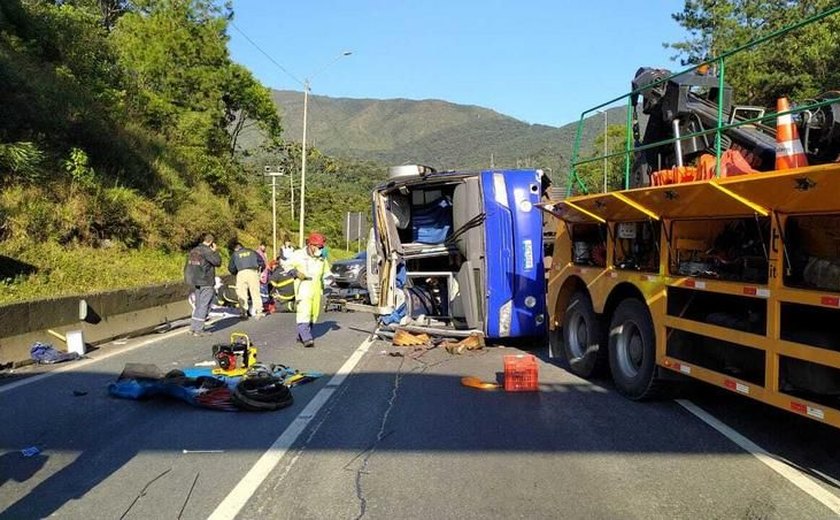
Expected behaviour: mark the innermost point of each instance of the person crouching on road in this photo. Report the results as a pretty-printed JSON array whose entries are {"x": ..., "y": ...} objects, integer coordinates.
[
  {"x": 310, "y": 269},
  {"x": 200, "y": 275},
  {"x": 246, "y": 264}
]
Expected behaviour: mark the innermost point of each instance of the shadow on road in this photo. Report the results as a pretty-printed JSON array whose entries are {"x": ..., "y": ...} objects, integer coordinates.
[{"x": 98, "y": 435}]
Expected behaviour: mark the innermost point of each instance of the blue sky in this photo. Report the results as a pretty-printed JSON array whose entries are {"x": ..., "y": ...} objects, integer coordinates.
[{"x": 538, "y": 61}]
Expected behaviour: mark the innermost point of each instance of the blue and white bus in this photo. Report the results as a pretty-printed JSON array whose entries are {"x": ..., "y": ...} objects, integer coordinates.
[{"x": 459, "y": 250}]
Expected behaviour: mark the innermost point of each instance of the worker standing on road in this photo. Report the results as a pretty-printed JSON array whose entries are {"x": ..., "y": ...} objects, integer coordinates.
[
  {"x": 246, "y": 264},
  {"x": 200, "y": 275},
  {"x": 310, "y": 269},
  {"x": 264, "y": 272}
]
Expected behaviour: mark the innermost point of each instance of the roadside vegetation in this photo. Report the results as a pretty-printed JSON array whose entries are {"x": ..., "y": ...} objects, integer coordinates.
[{"x": 119, "y": 131}]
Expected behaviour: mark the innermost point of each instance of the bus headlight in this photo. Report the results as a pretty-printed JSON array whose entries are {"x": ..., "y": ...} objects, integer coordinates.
[
  {"x": 539, "y": 319},
  {"x": 525, "y": 206},
  {"x": 530, "y": 302},
  {"x": 505, "y": 314}
]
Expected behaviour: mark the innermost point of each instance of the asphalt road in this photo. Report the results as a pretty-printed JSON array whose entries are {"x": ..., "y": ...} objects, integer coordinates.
[{"x": 400, "y": 437}]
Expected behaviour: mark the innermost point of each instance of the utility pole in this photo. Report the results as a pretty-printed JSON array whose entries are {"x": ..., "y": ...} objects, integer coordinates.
[
  {"x": 303, "y": 164},
  {"x": 302, "y": 215},
  {"x": 273, "y": 172}
]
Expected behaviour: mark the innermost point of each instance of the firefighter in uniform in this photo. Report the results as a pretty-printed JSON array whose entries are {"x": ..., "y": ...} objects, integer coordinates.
[
  {"x": 247, "y": 265},
  {"x": 310, "y": 269}
]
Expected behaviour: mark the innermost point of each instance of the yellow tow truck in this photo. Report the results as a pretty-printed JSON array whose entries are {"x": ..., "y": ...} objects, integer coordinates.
[{"x": 708, "y": 264}]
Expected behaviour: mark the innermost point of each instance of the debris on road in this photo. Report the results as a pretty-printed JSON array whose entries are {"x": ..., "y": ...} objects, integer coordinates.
[
  {"x": 403, "y": 338},
  {"x": 474, "y": 382},
  {"x": 45, "y": 353},
  {"x": 521, "y": 373},
  {"x": 30, "y": 451},
  {"x": 79, "y": 393},
  {"x": 472, "y": 342}
]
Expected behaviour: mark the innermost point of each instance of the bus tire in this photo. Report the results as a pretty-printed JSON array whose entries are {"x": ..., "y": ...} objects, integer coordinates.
[
  {"x": 632, "y": 350},
  {"x": 583, "y": 337}
]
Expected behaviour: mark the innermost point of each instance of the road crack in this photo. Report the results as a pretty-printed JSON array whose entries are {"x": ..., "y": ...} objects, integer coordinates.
[
  {"x": 422, "y": 366},
  {"x": 381, "y": 434}
]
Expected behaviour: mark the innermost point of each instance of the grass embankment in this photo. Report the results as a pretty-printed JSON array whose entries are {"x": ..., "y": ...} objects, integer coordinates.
[{"x": 64, "y": 271}]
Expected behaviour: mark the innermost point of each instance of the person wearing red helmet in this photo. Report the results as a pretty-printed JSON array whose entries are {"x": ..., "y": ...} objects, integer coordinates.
[{"x": 311, "y": 269}]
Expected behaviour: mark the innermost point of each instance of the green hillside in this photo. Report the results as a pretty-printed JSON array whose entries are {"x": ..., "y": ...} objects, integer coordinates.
[
  {"x": 119, "y": 146},
  {"x": 438, "y": 133}
]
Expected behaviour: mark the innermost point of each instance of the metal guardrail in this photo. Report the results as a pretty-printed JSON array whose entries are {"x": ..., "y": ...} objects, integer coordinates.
[{"x": 720, "y": 127}]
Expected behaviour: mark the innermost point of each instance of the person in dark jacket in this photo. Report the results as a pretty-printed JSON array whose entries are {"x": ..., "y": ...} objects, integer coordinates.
[
  {"x": 247, "y": 264},
  {"x": 200, "y": 275}
]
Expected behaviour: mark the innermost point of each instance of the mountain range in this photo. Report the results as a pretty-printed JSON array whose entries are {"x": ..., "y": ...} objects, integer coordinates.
[{"x": 438, "y": 133}]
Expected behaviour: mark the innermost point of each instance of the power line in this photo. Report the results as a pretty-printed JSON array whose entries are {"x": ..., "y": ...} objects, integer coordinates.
[
  {"x": 272, "y": 60},
  {"x": 336, "y": 128}
]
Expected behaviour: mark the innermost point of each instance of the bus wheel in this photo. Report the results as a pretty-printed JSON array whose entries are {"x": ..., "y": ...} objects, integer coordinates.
[
  {"x": 583, "y": 337},
  {"x": 632, "y": 350}
]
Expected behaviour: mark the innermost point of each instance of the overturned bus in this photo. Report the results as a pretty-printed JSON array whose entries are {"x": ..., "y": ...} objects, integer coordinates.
[{"x": 459, "y": 251}]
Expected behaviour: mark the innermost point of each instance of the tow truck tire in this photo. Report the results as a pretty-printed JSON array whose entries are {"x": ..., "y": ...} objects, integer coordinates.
[
  {"x": 583, "y": 337},
  {"x": 632, "y": 349}
]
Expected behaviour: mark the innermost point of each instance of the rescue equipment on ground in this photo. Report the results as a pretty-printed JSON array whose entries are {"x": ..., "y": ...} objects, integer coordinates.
[
  {"x": 226, "y": 355},
  {"x": 261, "y": 387}
]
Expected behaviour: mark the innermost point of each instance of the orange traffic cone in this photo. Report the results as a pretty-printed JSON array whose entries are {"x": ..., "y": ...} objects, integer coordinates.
[{"x": 789, "y": 152}]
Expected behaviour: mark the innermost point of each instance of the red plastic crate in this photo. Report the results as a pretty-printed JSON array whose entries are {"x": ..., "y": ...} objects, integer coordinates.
[{"x": 521, "y": 373}]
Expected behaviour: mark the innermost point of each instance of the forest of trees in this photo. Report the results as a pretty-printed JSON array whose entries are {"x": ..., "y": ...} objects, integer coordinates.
[{"x": 119, "y": 123}]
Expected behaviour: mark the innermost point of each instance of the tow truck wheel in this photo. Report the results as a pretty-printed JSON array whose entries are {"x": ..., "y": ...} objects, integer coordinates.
[
  {"x": 583, "y": 337},
  {"x": 632, "y": 350}
]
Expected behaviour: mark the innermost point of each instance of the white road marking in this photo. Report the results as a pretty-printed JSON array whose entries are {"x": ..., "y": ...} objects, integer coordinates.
[
  {"x": 794, "y": 476},
  {"x": 86, "y": 362},
  {"x": 242, "y": 492}
]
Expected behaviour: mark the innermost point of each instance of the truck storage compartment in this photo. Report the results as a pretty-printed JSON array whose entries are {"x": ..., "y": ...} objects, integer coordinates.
[
  {"x": 813, "y": 252},
  {"x": 811, "y": 381},
  {"x": 589, "y": 244},
  {"x": 722, "y": 249},
  {"x": 636, "y": 246},
  {"x": 721, "y": 356},
  {"x": 724, "y": 310},
  {"x": 811, "y": 325}
]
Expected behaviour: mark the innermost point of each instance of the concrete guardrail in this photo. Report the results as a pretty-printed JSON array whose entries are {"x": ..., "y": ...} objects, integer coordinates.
[{"x": 101, "y": 317}]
